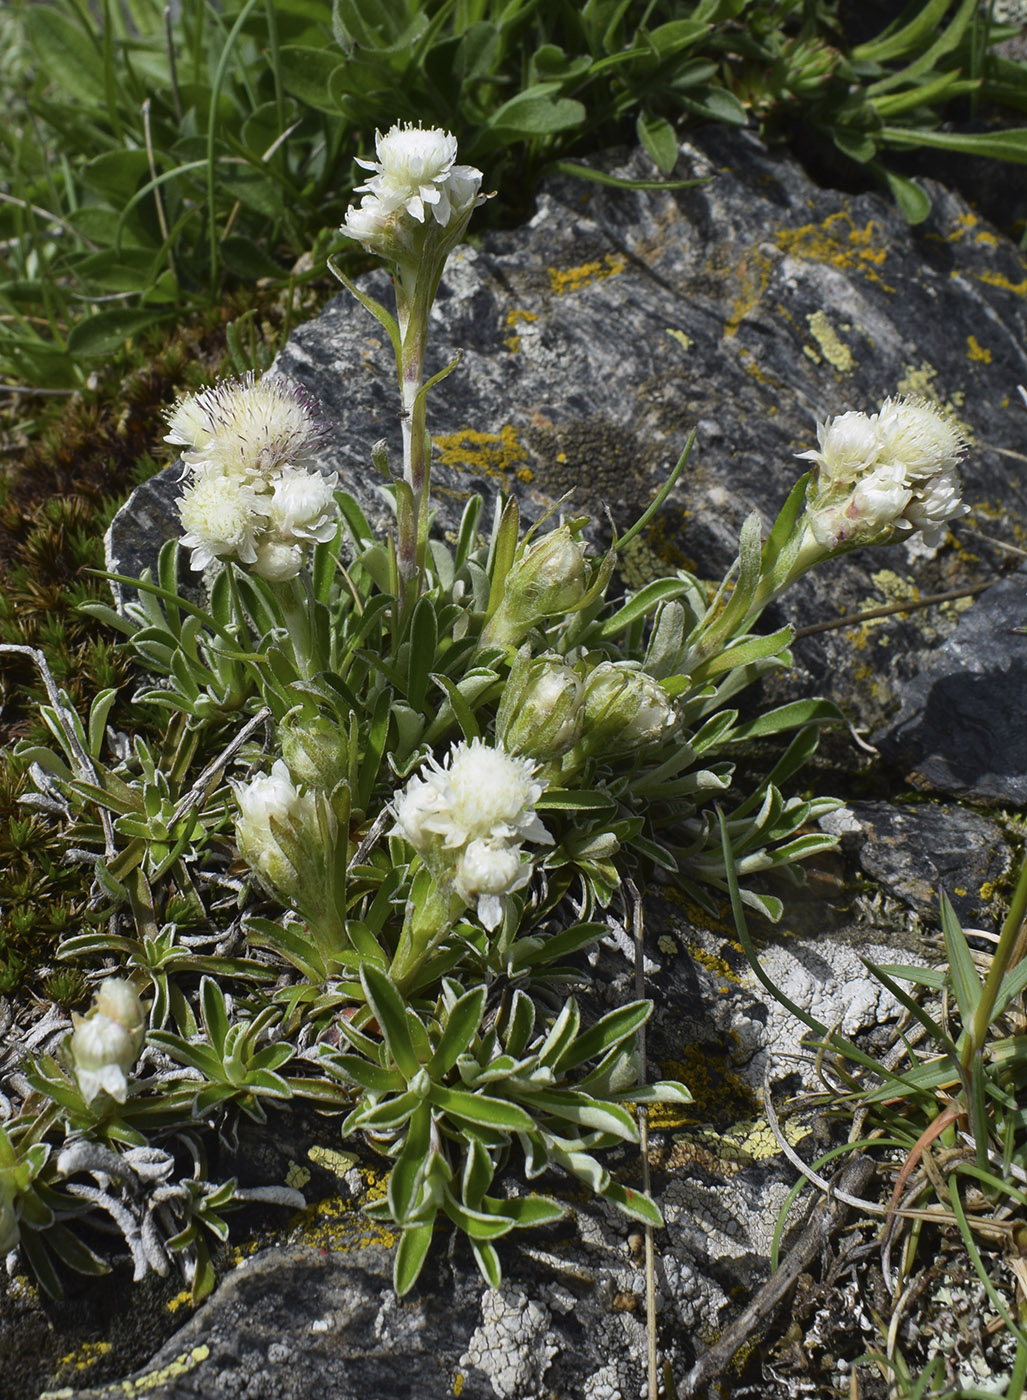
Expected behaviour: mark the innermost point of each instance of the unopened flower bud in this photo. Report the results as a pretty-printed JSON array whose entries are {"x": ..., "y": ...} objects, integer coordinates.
[
  {"x": 106, "y": 1043},
  {"x": 277, "y": 857},
  {"x": 625, "y": 709},
  {"x": 315, "y": 751},
  {"x": 540, "y": 714},
  {"x": 487, "y": 870},
  {"x": 548, "y": 580}
]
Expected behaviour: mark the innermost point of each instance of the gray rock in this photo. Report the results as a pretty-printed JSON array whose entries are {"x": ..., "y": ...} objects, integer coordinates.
[{"x": 960, "y": 724}]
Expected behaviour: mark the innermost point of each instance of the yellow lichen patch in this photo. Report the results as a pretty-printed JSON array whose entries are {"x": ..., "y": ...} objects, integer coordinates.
[
  {"x": 88, "y": 1354},
  {"x": 839, "y": 243},
  {"x": 724, "y": 1154},
  {"x": 713, "y": 964},
  {"x": 571, "y": 279},
  {"x": 336, "y": 1224},
  {"x": 525, "y": 475},
  {"x": 181, "y": 1366},
  {"x": 988, "y": 238},
  {"x": 667, "y": 945},
  {"x": 516, "y": 316},
  {"x": 685, "y": 341},
  {"x": 331, "y": 1160},
  {"x": 180, "y": 1300},
  {"x": 987, "y": 890},
  {"x": 833, "y": 348},
  {"x": 977, "y": 351},
  {"x": 963, "y": 225},
  {"x": 998, "y": 279},
  {"x": 512, "y": 343},
  {"x": 753, "y": 275},
  {"x": 458, "y": 1383},
  {"x": 491, "y": 453},
  {"x": 297, "y": 1176},
  {"x": 916, "y": 382},
  {"x": 718, "y": 1092}
]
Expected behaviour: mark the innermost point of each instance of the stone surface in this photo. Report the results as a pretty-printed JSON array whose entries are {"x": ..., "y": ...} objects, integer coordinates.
[
  {"x": 593, "y": 341},
  {"x": 960, "y": 725}
]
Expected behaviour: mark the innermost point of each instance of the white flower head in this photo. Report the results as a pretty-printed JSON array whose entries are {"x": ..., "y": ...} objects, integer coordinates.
[
  {"x": 920, "y": 436},
  {"x": 302, "y": 506},
  {"x": 268, "y": 795},
  {"x": 222, "y": 517},
  {"x": 248, "y": 427},
  {"x": 105, "y": 1044},
  {"x": 849, "y": 444},
  {"x": 486, "y": 871},
  {"x": 481, "y": 794},
  {"x": 416, "y": 170},
  {"x": 274, "y": 797},
  {"x": 934, "y": 504}
]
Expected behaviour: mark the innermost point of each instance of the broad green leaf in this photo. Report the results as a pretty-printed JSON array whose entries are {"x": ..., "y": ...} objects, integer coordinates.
[
  {"x": 659, "y": 139},
  {"x": 537, "y": 111},
  {"x": 479, "y": 1108},
  {"x": 407, "y": 1176},
  {"x": 390, "y": 1013},
  {"x": 306, "y": 72},
  {"x": 356, "y": 1070},
  {"x": 462, "y": 1024},
  {"x": 410, "y": 1256},
  {"x": 587, "y": 1112},
  {"x": 106, "y": 331},
  {"x": 636, "y": 1204},
  {"x": 67, "y": 55}
]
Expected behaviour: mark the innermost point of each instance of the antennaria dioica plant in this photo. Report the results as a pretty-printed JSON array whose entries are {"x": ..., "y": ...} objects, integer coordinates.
[{"x": 439, "y": 763}]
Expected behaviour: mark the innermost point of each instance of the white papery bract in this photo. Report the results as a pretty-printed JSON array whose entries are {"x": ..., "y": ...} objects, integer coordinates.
[
  {"x": 105, "y": 1044},
  {"x": 222, "y": 518},
  {"x": 302, "y": 506},
  {"x": 468, "y": 818},
  {"x": 248, "y": 427},
  {"x": 273, "y": 800},
  {"x": 883, "y": 475},
  {"x": 416, "y": 171},
  {"x": 255, "y": 495}
]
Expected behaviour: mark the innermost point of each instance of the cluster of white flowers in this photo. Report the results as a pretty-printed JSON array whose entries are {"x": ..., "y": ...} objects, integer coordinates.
[
  {"x": 467, "y": 819},
  {"x": 415, "y": 176},
  {"x": 255, "y": 494},
  {"x": 105, "y": 1044},
  {"x": 893, "y": 469}
]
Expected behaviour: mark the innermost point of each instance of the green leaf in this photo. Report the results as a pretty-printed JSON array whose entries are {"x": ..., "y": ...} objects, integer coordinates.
[
  {"x": 306, "y": 73},
  {"x": 537, "y": 111},
  {"x": 480, "y": 1108},
  {"x": 913, "y": 201},
  {"x": 462, "y": 1024},
  {"x": 390, "y": 1013},
  {"x": 1008, "y": 145},
  {"x": 587, "y": 1112},
  {"x": 659, "y": 139},
  {"x": 356, "y": 1070},
  {"x": 106, "y": 331},
  {"x": 407, "y": 1176},
  {"x": 488, "y": 1262},
  {"x": 69, "y": 57},
  {"x": 635, "y": 1204},
  {"x": 965, "y": 981},
  {"x": 613, "y": 1028},
  {"x": 893, "y": 43},
  {"x": 410, "y": 1256}
]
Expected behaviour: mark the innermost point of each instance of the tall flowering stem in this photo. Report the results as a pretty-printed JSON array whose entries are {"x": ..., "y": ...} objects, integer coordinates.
[{"x": 415, "y": 211}]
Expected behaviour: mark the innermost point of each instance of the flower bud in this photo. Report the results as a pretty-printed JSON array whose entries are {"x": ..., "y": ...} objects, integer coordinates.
[
  {"x": 548, "y": 580},
  {"x": 541, "y": 713},
  {"x": 487, "y": 870},
  {"x": 272, "y": 801},
  {"x": 106, "y": 1043},
  {"x": 625, "y": 709},
  {"x": 316, "y": 752}
]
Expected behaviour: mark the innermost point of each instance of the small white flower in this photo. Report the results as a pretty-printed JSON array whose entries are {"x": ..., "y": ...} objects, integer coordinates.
[
  {"x": 416, "y": 170},
  {"x": 222, "y": 517},
  {"x": 848, "y": 446},
  {"x": 278, "y": 562},
  {"x": 919, "y": 436},
  {"x": 106, "y": 1043},
  {"x": 302, "y": 506},
  {"x": 879, "y": 497},
  {"x": 485, "y": 872},
  {"x": 248, "y": 427},
  {"x": 934, "y": 504},
  {"x": 267, "y": 796}
]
